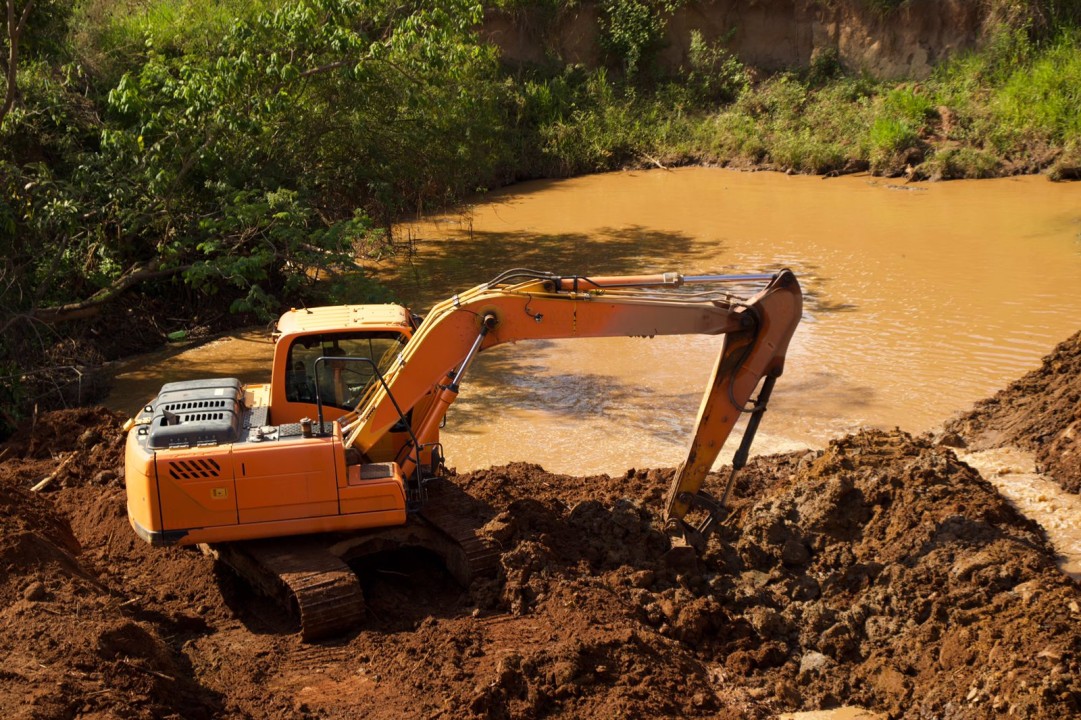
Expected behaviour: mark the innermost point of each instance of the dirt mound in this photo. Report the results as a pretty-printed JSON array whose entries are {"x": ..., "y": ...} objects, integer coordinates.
[
  {"x": 1040, "y": 412},
  {"x": 84, "y": 446},
  {"x": 75, "y": 643},
  {"x": 882, "y": 572}
]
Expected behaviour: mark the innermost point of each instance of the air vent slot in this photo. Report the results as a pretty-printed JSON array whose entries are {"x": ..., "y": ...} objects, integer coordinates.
[
  {"x": 195, "y": 405},
  {"x": 200, "y": 417},
  {"x": 197, "y": 469}
]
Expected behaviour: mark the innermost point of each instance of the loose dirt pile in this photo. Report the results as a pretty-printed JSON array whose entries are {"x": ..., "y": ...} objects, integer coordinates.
[
  {"x": 1041, "y": 412},
  {"x": 881, "y": 572},
  {"x": 74, "y": 643}
]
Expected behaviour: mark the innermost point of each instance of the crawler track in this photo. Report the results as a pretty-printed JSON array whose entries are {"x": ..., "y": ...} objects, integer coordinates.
[
  {"x": 446, "y": 513},
  {"x": 311, "y": 573},
  {"x": 302, "y": 572}
]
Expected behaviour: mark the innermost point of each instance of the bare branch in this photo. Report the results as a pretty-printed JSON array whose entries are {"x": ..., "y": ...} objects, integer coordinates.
[
  {"x": 25, "y": 15},
  {"x": 92, "y": 306},
  {"x": 325, "y": 68}
]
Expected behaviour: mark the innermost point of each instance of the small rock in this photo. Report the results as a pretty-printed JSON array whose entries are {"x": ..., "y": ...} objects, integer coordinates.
[
  {"x": 104, "y": 477},
  {"x": 813, "y": 662},
  {"x": 1028, "y": 590},
  {"x": 34, "y": 591},
  {"x": 1050, "y": 653},
  {"x": 794, "y": 552},
  {"x": 1074, "y": 607},
  {"x": 952, "y": 439}
]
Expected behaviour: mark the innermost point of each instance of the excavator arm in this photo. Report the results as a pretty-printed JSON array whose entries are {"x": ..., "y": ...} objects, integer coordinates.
[
  {"x": 754, "y": 352},
  {"x": 526, "y": 305}
]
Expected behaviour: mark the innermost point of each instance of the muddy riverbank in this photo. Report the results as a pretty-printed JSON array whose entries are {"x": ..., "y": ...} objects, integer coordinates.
[
  {"x": 1040, "y": 412},
  {"x": 882, "y": 572}
]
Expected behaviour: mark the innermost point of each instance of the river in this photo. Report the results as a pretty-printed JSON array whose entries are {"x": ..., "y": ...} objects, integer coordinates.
[{"x": 921, "y": 299}]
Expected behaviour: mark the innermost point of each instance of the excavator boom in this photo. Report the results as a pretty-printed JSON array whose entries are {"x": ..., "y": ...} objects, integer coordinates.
[
  {"x": 524, "y": 305},
  {"x": 535, "y": 308}
]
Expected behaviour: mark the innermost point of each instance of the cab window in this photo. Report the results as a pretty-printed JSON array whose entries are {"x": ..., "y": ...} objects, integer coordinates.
[{"x": 339, "y": 384}]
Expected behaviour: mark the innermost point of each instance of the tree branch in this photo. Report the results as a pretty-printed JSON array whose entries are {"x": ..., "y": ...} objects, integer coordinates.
[{"x": 90, "y": 307}]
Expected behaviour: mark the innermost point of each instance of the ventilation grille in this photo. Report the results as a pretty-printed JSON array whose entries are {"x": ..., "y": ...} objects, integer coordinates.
[
  {"x": 190, "y": 405},
  {"x": 194, "y": 469},
  {"x": 200, "y": 417},
  {"x": 196, "y": 413}
]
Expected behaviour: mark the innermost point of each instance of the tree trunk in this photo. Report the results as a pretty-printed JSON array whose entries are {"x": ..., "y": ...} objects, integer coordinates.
[{"x": 15, "y": 30}]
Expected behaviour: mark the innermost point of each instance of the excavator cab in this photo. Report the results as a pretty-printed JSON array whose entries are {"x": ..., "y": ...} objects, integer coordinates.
[{"x": 306, "y": 372}]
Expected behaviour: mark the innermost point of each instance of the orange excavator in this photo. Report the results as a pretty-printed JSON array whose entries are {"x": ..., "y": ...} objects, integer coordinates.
[{"x": 339, "y": 455}]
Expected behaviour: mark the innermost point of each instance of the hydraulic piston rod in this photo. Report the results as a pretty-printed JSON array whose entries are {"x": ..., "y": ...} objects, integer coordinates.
[
  {"x": 668, "y": 279},
  {"x": 487, "y": 323},
  {"x": 447, "y": 393}
]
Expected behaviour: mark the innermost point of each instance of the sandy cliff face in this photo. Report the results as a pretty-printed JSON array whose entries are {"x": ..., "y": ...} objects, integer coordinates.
[{"x": 770, "y": 34}]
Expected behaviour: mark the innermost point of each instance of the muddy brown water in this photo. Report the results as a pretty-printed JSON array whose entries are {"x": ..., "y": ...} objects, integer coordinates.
[{"x": 921, "y": 299}]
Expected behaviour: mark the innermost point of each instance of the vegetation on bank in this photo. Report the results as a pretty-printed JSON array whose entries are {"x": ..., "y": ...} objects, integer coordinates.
[{"x": 170, "y": 161}]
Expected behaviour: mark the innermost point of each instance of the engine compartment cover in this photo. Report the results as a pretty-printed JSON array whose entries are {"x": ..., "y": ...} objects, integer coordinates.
[{"x": 197, "y": 412}]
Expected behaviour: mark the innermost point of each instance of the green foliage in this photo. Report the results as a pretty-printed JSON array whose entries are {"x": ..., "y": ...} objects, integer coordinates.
[
  {"x": 632, "y": 31},
  {"x": 112, "y": 36},
  {"x": 1042, "y": 99},
  {"x": 900, "y": 119},
  {"x": 824, "y": 68},
  {"x": 45, "y": 33},
  {"x": 959, "y": 163},
  {"x": 715, "y": 74},
  {"x": 245, "y": 166}
]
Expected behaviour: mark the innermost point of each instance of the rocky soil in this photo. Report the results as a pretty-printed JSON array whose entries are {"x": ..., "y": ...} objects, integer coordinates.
[{"x": 880, "y": 572}]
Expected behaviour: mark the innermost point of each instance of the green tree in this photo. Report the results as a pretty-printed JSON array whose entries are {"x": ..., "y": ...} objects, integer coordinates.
[{"x": 245, "y": 166}]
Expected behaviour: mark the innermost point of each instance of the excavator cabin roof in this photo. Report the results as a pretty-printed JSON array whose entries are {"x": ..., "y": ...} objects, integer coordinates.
[{"x": 343, "y": 317}]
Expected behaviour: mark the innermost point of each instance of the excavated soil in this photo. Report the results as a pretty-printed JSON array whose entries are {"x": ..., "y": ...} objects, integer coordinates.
[
  {"x": 880, "y": 572},
  {"x": 1040, "y": 412}
]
